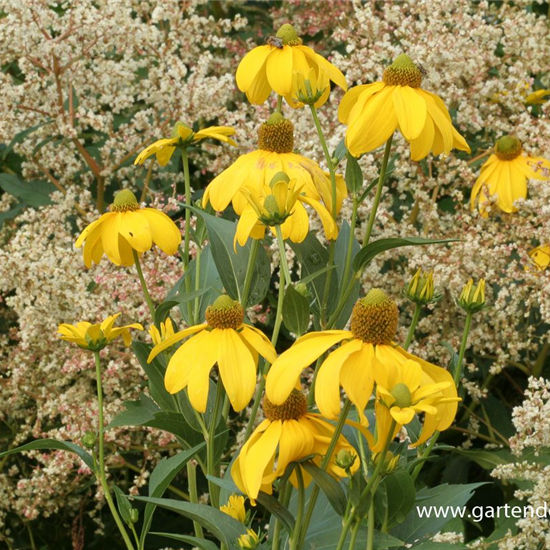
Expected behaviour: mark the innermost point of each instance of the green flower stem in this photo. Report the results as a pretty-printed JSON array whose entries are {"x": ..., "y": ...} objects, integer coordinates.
[
  {"x": 334, "y": 317},
  {"x": 282, "y": 253},
  {"x": 275, "y": 336},
  {"x": 425, "y": 454},
  {"x": 344, "y": 532},
  {"x": 196, "y": 308},
  {"x": 101, "y": 470},
  {"x": 144, "y": 285},
  {"x": 284, "y": 498},
  {"x": 324, "y": 465},
  {"x": 379, "y": 188},
  {"x": 250, "y": 271},
  {"x": 349, "y": 251},
  {"x": 193, "y": 494},
  {"x": 458, "y": 370},
  {"x": 414, "y": 322},
  {"x": 295, "y": 540},
  {"x": 187, "y": 236},
  {"x": 370, "y": 531},
  {"x": 211, "y": 466},
  {"x": 279, "y": 107},
  {"x": 354, "y": 533},
  {"x": 311, "y": 394}
]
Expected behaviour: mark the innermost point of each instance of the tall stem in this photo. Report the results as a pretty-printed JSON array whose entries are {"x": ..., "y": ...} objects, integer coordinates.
[
  {"x": 284, "y": 498},
  {"x": 197, "y": 286},
  {"x": 301, "y": 503},
  {"x": 101, "y": 451},
  {"x": 279, "y": 107},
  {"x": 211, "y": 446},
  {"x": 282, "y": 253},
  {"x": 458, "y": 370},
  {"x": 250, "y": 271},
  {"x": 370, "y": 531},
  {"x": 379, "y": 188},
  {"x": 187, "y": 236},
  {"x": 344, "y": 532},
  {"x": 349, "y": 251},
  {"x": 144, "y": 286},
  {"x": 193, "y": 494},
  {"x": 414, "y": 322}
]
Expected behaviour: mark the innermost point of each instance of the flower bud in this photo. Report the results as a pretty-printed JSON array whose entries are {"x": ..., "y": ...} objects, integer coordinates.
[
  {"x": 89, "y": 440},
  {"x": 390, "y": 461},
  {"x": 420, "y": 289},
  {"x": 345, "y": 460},
  {"x": 472, "y": 297},
  {"x": 134, "y": 515},
  {"x": 250, "y": 541}
]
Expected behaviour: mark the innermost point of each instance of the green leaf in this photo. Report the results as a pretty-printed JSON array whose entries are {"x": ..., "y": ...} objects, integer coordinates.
[
  {"x": 415, "y": 527},
  {"x": 232, "y": 265},
  {"x": 137, "y": 413},
  {"x": 163, "y": 310},
  {"x": 369, "y": 252},
  {"x": 354, "y": 175},
  {"x": 163, "y": 474},
  {"x": 203, "y": 544},
  {"x": 54, "y": 445},
  {"x": 330, "y": 487},
  {"x": 394, "y": 498},
  {"x": 34, "y": 193},
  {"x": 19, "y": 137},
  {"x": 340, "y": 151},
  {"x": 272, "y": 505},
  {"x": 430, "y": 545},
  {"x": 295, "y": 311},
  {"x": 225, "y": 528},
  {"x": 123, "y": 505},
  {"x": 310, "y": 278},
  {"x": 486, "y": 459}
]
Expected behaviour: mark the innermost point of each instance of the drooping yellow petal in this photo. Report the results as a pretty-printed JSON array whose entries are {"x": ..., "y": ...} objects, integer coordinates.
[
  {"x": 411, "y": 111},
  {"x": 279, "y": 70},
  {"x": 251, "y": 68},
  {"x": 423, "y": 144},
  {"x": 329, "y": 225},
  {"x": 286, "y": 370},
  {"x": 164, "y": 231},
  {"x": 402, "y": 416},
  {"x": 237, "y": 368},
  {"x": 383, "y": 424},
  {"x": 171, "y": 340},
  {"x": 109, "y": 237},
  {"x": 352, "y": 96},
  {"x": 135, "y": 229},
  {"x": 259, "y": 341}
]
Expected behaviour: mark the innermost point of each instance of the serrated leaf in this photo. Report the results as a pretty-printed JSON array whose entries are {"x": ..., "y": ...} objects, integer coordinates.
[
  {"x": 330, "y": 487},
  {"x": 53, "y": 445},
  {"x": 225, "y": 528},
  {"x": 373, "y": 249},
  {"x": 295, "y": 311}
]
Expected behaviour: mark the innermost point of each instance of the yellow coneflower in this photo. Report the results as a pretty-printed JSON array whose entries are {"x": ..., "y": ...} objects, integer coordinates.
[{"x": 540, "y": 257}]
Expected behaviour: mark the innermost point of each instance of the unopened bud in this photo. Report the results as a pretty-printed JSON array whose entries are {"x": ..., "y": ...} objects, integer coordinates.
[
  {"x": 390, "y": 461},
  {"x": 89, "y": 440},
  {"x": 134, "y": 515},
  {"x": 345, "y": 459},
  {"x": 420, "y": 289},
  {"x": 472, "y": 297}
]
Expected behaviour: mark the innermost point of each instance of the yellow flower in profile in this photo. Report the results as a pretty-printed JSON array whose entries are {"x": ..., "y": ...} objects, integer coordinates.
[
  {"x": 472, "y": 297},
  {"x": 224, "y": 340},
  {"x": 183, "y": 136},
  {"x": 288, "y": 433},
  {"x": 310, "y": 88},
  {"x": 96, "y": 336},
  {"x": 505, "y": 175},
  {"x": 374, "y": 111},
  {"x": 540, "y": 257},
  {"x": 256, "y": 170},
  {"x": 280, "y": 203},
  {"x": 235, "y": 508},
  {"x": 404, "y": 390},
  {"x": 537, "y": 97},
  {"x": 352, "y": 365},
  {"x": 128, "y": 227},
  {"x": 249, "y": 541},
  {"x": 271, "y": 67},
  {"x": 166, "y": 331}
]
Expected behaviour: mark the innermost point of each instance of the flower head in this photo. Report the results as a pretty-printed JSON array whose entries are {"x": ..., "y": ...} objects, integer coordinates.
[
  {"x": 505, "y": 174},
  {"x": 403, "y": 390},
  {"x": 182, "y": 137},
  {"x": 166, "y": 330},
  {"x": 126, "y": 228},
  {"x": 235, "y": 508},
  {"x": 373, "y": 112},
  {"x": 256, "y": 170},
  {"x": 420, "y": 289},
  {"x": 367, "y": 346},
  {"x": 540, "y": 257},
  {"x": 288, "y": 434},
  {"x": 472, "y": 297},
  {"x": 271, "y": 67},
  {"x": 96, "y": 337},
  {"x": 280, "y": 203},
  {"x": 537, "y": 97},
  {"x": 249, "y": 541},
  {"x": 310, "y": 88},
  {"x": 224, "y": 340}
]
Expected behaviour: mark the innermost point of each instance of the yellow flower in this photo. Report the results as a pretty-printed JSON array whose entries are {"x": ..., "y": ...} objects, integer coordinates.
[
  {"x": 472, "y": 297},
  {"x": 166, "y": 330},
  {"x": 537, "y": 97},
  {"x": 96, "y": 337},
  {"x": 540, "y": 257},
  {"x": 288, "y": 433},
  {"x": 505, "y": 174},
  {"x": 249, "y": 541},
  {"x": 373, "y": 112},
  {"x": 256, "y": 169},
  {"x": 271, "y": 67},
  {"x": 183, "y": 136},
  {"x": 128, "y": 227},
  {"x": 403, "y": 390},
  {"x": 235, "y": 508},
  {"x": 280, "y": 204},
  {"x": 352, "y": 365},
  {"x": 311, "y": 88},
  {"x": 224, "y": 340}
]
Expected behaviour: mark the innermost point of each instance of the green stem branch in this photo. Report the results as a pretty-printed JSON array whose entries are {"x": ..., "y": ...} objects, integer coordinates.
[
  {"x": 463, "y": 344},
  {"x": 187, "y": 236},
  {"x": 250, "y": 271},
  {"x": 301, "y": 503},
  {"x": 414, "y": 322},
  {"x": 211, "y": 463},
  {"x": 146, "y": 294}
]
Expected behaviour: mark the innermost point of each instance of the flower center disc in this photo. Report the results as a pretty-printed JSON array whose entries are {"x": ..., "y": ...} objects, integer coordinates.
[
  {"x": 402, "y": 394},
  {"x": 403, "y": 72},
  {"x": 374, "y": 318},
  {"x": 277, "y": 134},
  {"x": 508, "y": 148},
  {"x": 292, "y": 409},
  {"x": 225, "y": 313},
  {"x": 124, "y": 200}
]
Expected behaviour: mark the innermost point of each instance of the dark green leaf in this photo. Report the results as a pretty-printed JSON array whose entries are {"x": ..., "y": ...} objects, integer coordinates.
[
  {"x": 340, "y": 151},
  {"x": 486, "y": 459},
  {"x": 123, "y": 505},
  {"x": 203, "y": 544},
  {"x": 394, "y": 498},
  {"x": 137, "y": 413},
  {"x": 272, "y": 505},
  {"x": 354, "y": 176},
  {"x": 330, "y": 487},
  {"x": 19, "y": 137},
  {"x": 54, "y": 445},
  {"x": 295, "y": 311},
  {"x": 369, "y": 252},
  {"x": 225, "y": 528},
  {"x": 34, "y": 193},
  {"x": 163, "y": 310}
]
